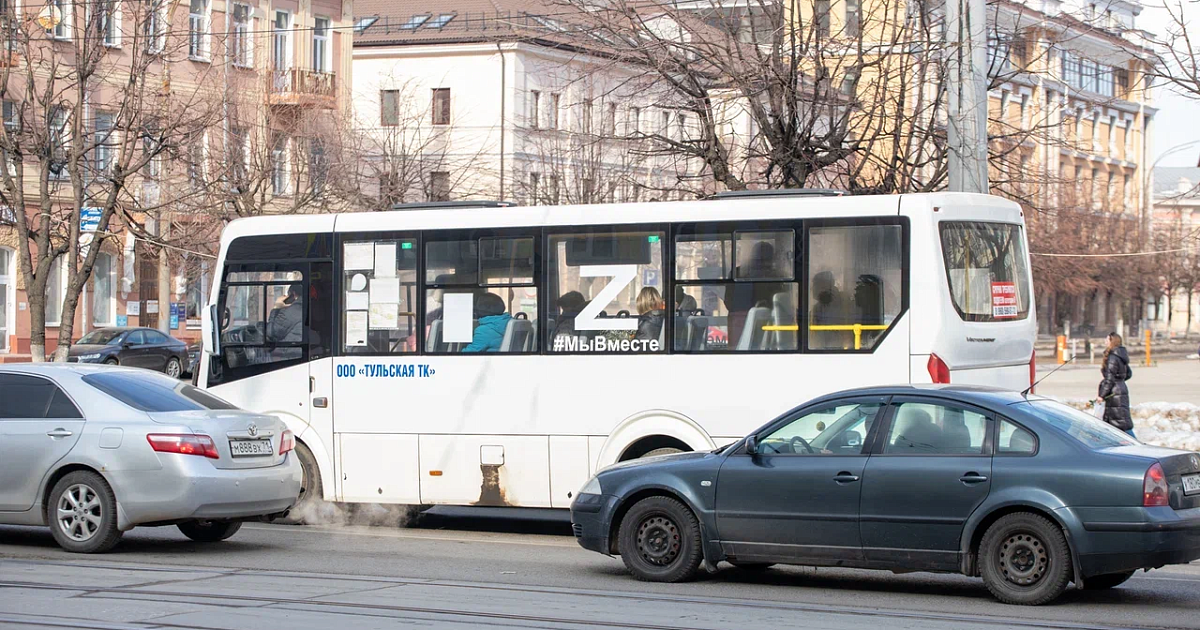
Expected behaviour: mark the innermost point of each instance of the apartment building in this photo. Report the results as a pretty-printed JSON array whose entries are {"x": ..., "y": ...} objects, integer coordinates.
[
  {"x": 489, "y": 100},
  {"x": 243, "y": 95},
  {"x": 1176, "y": 224}
]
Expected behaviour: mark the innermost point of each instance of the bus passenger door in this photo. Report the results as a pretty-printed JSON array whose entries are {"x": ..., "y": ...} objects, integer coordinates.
[{"x": 319, "y": 434}]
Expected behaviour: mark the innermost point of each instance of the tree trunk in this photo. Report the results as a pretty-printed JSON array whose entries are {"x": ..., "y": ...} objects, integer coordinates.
[
  {"x": 164, "y": 291},
  {"x": 37, "y": 321}
]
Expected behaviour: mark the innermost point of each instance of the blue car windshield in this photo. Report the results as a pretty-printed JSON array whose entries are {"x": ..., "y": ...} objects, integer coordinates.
[
  {"x": 154, "y": 393},
  {"x": 1092, "y": 432}
]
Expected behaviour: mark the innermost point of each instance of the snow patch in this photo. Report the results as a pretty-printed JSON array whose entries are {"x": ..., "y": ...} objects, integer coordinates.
[{"x": 1174, "y": 425}]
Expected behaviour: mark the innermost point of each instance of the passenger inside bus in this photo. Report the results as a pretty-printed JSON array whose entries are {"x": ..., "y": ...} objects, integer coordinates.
[
  {"x": 569, "y": 305},
  {"x": 829, "y": 309},
  {"x": 741, "y": 298},
  {"x": 650, "y": 314},
  {"x": 684, "y": 303},
  {"x": 868, "y": 305},
  {"x": 493, "y": 322}
]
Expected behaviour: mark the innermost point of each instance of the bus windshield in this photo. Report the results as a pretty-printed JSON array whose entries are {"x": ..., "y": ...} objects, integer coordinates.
[{"x": 988, "y": 270}]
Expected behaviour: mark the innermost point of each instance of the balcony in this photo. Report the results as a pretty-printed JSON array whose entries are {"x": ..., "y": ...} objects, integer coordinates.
[{"x": 297, "y": 87}]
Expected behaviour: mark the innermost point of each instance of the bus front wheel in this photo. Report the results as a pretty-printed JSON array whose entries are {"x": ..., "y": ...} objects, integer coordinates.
[{"x": 311, "y": 500}]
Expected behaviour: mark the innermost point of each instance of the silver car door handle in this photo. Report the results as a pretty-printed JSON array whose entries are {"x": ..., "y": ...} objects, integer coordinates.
[
  {"x": 845, "y": 477},
  {"x": 321, "y": 402},
  {"x": 59, "y": 433}
]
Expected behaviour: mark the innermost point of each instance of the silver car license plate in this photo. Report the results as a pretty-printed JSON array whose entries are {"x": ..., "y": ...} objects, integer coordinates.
[
  {"x": 250, "y": 448},
  {"x": 1191, "y": 484}
]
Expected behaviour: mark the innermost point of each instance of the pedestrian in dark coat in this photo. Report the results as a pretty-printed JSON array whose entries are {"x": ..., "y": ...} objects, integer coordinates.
[{"x": 1113, "y": 391}]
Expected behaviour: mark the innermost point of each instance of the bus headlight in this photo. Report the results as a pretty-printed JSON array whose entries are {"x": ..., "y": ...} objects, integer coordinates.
[{"x": 592, "y": 486}]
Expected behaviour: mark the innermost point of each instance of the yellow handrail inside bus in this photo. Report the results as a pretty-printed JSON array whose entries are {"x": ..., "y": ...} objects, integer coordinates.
[{"x": 857, "y": 329}]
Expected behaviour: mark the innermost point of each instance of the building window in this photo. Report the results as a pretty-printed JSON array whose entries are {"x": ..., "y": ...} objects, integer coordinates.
[
  {"x": 534, "y": 184},
  {"x": 610, "y": 120},
  {"x": 535, "y": 102},
  {"x": 65, "y": 9},
  {"x": 54, "y": 292},
  {"x": 1108, "y": 189},
  {"x": 1024, "y": 111},
  {"x": 320, "y": 44},
  {"x": 1127, "y": 188},
  {"x": 439, "y": 186},
  {"x": 197, "y": 292},
  {"x": 108, "y": 23},
  {"x": 280, "y": 171},
  {"x": 105, "y": 142},
  {"x": 59, "y": 137},
  {"x": 441, "y": 106},
  {"x": 198, "y": 29},
  {"x": 103, "y": 299},
  {"x": 555, "y": 106},
  {"x": 241, "y": 43},
  {"x": 821, "y": 10},
  {"x": 999, "y": 50},
  {"x": 11, "y": 127},
  {"x": 281, "y": 41},
  {"x": 585, "y": 117},
  {"x": 155, "y": 26},
  {"x": 389, "y": 108},
  {"x": 681, "y": 126},
  {"x": 239, "y": 158},
  {"x": 318, "y": 165},
  {"x": 634, "y": 124},
  {"x": 853, "y": 18},
  {"x": 195, "y": 162}
]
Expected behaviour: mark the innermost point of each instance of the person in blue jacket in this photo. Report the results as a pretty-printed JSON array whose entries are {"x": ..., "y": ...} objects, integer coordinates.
[{"x": 493, "y": 321}]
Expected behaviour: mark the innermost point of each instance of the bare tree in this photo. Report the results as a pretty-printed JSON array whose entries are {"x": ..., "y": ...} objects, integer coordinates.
[{"x": 83, "y": 124}]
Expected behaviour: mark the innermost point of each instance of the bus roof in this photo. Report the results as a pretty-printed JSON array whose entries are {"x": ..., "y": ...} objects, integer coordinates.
[{"x": 783, "y": 207}]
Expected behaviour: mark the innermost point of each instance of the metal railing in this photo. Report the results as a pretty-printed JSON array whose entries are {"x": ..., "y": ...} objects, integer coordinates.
[
  {"x": 303, "y": 82},
  {"x": 857, "y": 329}
]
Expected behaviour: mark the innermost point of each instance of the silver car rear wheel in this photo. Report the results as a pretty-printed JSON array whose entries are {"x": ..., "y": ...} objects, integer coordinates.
[{"x": 82, "y": 513}]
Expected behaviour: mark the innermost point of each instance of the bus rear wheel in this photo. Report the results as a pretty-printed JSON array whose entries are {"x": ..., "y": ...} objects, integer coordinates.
[
  {"x": 666, "y": 450},
  {"x": 311, "y": 500}
]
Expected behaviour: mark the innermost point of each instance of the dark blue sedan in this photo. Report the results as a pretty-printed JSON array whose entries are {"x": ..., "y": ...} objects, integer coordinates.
[{"x": 1025, "y": 492}]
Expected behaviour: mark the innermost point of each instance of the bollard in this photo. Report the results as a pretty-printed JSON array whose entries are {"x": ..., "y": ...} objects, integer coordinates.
[
  {"x": 1147, "y": 347},
  {"x": 1061, "y": 349}
]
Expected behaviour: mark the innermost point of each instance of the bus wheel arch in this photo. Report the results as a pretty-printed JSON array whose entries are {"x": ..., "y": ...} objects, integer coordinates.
[{"x": 651, "y": 430}]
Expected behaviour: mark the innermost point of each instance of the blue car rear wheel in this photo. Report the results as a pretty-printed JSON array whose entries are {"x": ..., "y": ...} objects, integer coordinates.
[{"x": 1024, "y": 559}]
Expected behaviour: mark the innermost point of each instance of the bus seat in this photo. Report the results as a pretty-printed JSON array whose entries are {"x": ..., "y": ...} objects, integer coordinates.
[
  {"x": 783, "y": 313},
  {"x": 697, "y": 333},
  {"x": 433, "y": 343},
  {"x": 753, "y": 336},
  {"x": 518, "y": 336}
]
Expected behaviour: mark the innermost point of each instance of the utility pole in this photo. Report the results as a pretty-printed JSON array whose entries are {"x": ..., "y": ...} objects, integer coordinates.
[{"x": 966, "y": 134}]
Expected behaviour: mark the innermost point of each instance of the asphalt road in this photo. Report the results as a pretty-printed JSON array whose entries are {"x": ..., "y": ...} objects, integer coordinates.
[{"x": 467, "y": 570}]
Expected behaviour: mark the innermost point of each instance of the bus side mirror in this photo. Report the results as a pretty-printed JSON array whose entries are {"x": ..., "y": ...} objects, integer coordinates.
[
  {"x": 752, "y": 445},
  {"x": 212, "y": 337}
]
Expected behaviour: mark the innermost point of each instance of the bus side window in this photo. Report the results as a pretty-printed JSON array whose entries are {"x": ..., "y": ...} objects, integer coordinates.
[
  {"x": 379, "y": 282},
  {"x": 735, "y": 290},
  {"x": 855, "y": 285},
  {"x": 607, "y": 288},
  {"x": 481, "y": 295}
]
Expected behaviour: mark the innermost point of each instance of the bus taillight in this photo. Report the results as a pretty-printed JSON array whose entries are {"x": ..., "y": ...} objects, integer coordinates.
[
  {"x": 1032, "y": 370},
  {"x": 938, "y": 370}
]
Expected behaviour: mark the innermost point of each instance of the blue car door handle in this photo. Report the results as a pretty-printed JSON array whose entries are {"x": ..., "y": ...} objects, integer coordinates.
[
  {"x": 972, "y": 477},
  {"x": 845, "y": 477}
]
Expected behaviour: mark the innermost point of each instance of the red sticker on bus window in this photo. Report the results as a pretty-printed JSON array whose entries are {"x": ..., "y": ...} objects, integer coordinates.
[{"x": 1004, "y": 300}]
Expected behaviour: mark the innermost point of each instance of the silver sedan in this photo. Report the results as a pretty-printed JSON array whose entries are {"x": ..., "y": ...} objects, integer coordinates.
[{"x": 93, "y": 451}]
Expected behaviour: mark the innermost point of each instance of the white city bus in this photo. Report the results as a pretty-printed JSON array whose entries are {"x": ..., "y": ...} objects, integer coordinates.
[{"x": 500, "y": 356}]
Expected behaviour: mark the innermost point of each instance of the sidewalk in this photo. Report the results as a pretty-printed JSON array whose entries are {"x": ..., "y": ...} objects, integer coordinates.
[{"x": 1172, "y": 380}]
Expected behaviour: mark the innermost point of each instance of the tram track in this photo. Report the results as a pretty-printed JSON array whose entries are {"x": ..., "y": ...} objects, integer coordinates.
[{"x": 153, "y": 591}]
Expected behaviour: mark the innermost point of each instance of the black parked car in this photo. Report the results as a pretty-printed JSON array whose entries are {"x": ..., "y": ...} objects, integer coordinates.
[
  {"x": 1025, "y": 492},
  {"x": 132, "y": 347}
]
